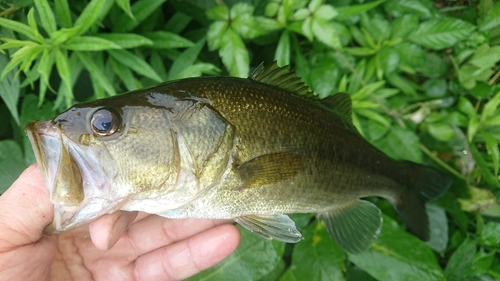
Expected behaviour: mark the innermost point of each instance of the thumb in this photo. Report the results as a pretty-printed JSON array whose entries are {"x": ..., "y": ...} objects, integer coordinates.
[{"x": 25, "y": 210}]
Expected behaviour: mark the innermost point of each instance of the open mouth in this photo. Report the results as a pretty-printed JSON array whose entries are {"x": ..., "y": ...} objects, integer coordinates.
[
  {"x": 61, "y": 174},
  {"x": 72, "y": 175}
]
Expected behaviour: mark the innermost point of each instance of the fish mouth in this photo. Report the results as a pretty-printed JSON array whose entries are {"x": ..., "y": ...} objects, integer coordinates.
[{"x": 61, "y": 174}]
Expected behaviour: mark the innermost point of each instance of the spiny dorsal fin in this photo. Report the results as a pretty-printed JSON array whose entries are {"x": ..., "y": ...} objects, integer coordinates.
[
  {"x": 286, "y": 79},
  {"x": 281, "y": 77}
]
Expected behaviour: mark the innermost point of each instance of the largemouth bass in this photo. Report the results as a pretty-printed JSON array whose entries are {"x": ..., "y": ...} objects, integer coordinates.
[{"x": 252, "y": 150}]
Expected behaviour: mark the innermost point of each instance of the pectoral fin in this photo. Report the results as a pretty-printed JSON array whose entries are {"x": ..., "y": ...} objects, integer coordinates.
[
  {"x": 269, "y": 168},
  {"x": 278, "y": 227},
  {"x": 355, "y": 226}
]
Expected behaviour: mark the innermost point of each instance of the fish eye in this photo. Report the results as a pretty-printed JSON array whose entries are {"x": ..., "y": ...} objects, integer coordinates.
[{"x": 104, "y": 122}]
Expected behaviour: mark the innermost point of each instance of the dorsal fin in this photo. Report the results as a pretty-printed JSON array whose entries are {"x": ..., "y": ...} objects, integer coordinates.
[
  {"x": 341, "y": 103},
  {"x": 284, "y": 78},
  {"x": 281, "y": 77}
]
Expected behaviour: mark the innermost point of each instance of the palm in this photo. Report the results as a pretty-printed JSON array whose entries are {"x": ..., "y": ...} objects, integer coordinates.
[
  {"x": 149, "y": 241},
  {"x": 151, "y": 248}
]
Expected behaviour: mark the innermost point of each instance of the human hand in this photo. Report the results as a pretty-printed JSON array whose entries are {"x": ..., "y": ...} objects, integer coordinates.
[{"x": 120, "y": 246}]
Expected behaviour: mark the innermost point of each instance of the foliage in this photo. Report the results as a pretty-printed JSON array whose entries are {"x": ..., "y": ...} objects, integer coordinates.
[{"x": 423, "y": 77}]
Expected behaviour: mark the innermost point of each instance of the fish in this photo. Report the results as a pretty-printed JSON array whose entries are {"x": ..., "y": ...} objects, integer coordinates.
[{"x": 248, "y": 149}]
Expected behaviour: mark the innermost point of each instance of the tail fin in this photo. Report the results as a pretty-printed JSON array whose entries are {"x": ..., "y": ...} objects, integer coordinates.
[{"x": 423, "y": 184}]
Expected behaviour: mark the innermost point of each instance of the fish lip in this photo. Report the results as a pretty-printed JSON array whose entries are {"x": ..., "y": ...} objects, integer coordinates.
[{"x": 46, "y": 144}]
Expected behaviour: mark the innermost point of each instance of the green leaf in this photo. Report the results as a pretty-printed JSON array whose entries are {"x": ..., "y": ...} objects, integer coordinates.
[
  {"x": 490, "y": 234},
  {"x": 282, "y": 54},
  {"x": 441, "y": 33},
  {"x": 492, "y": 19},
  {"x": 126, "y": 40},
  {"x": 135, "y": 63},
  {"x": 215, "y": 35},
  {"x": 493, "y": 150},
  {"x": 125, "y": 6},
  {"x": 442, "y": 131},
  {"x": 397, "y": 255},
  {"x": 317, "y": 251},
  {"x": 405, "y": 85},
  {"x": 490, "y": 107},
  {"x": 254, "y": 258},
  {"x": 167, "y": 40},
  {"x": 326, "y": 12},
  {"x": 63, "y": 13},
  {"x": 351, "y": 10},
  {"x": 459, "y": 267},
  {"x": 89, "y": 15},
  {"x": 96, "y": 73},
  {"x": 9, "y": 90},
  {"x": 323, "y": 78},
  {"x": 188, "y": 57},
  {"x": 125, "y": 75},
  {"x": 62, "y": 35},
  {"x": 219, "y": 12},
  {"x": 486, "y": 173},
  {"x": 198, "y": 69},
  {"x": 438, "y": 226},
  {"x": 89, "y": 43},
  {"x": 46, "y": 15},
  {"x": 398, "y": 8},
  {"x": 465, "y": 106},
  {"x": 141, "y": 10},
  {"x": 234, "y": 54},
  {"x": 367, "y": 90},
  {"x": 64, "y": 71},
  {"x": 373, "y": 115},
  {"x": 11, "y": 163},
  {"x": 399, "y": 137},
  {"x": 326, "y": 33},
  {"x": 404, "y": 26},
  {"x": 19, "y": 28}
]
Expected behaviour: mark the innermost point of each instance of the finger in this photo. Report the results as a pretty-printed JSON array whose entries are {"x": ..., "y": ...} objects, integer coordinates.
[
  {"x": 154, "y": 232},
  {"x": 190, "y": 256},
  {"x": 25, "y": 209},
  {"x": 107, "y": 230}
]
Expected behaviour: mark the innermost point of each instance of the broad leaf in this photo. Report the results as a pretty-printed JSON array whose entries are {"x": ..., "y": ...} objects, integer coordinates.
[
  {"x": 234, "y": 54},
  {"x": 492, "y": 19},
  {"x": 441, "y": 33},
  {"x": 459, "y": 267},
  {"x": 397, "y": 255},
  {"x": 318, "y": 251},
  {"x": 351, "y": 10},
  {"x": 254, "y": 258},
  {"x": 399, "y": 137}
]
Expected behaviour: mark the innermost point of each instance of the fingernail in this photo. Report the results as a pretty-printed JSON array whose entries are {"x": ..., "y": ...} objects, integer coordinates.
[{"x": 120, "y": 226}]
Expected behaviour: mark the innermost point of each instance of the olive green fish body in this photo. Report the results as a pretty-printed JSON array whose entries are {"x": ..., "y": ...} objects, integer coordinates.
[{"x": 250, "y": 149}]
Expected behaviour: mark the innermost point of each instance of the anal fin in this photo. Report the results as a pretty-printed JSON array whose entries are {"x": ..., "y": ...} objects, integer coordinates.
[
  {"x": 355, "y": 226},
  {"x": 277, "y": 227}
]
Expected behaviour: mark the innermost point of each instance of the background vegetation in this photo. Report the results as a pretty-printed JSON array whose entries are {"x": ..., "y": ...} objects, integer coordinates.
[{"x": 423, "y": 76}]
